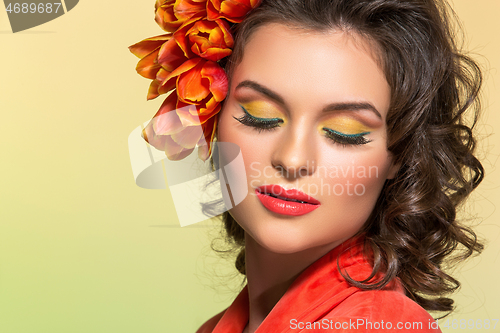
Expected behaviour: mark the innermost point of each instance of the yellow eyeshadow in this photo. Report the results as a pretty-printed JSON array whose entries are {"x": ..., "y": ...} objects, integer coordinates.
[
  {"x": 345, "y": 125},
  {"x": 262, "y": 110}
]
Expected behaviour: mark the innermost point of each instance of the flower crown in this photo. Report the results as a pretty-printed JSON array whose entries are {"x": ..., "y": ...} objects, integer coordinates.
[{"x": 185, "y": 61}]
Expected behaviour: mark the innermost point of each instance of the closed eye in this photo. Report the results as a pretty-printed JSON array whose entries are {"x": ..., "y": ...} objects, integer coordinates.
[
  {"x": 346, "y": 139},
  {"x": 259, "y": 123}
]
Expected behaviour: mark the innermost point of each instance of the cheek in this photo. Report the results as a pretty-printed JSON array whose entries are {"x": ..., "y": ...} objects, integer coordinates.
[{"x": 355, "y": 177}]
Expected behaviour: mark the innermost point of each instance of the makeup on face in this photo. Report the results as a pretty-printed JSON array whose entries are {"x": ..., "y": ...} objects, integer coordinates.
[
  {"x": 315, "y": 127},
  {"x": 290, "y": 202},
  {"x": 341, "y": 128},
  {"x": 261, "y": 109},
  {"x": 346, "y": 130}
]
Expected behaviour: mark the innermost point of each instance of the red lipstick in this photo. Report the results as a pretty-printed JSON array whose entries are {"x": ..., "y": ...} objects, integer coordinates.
[{"x": 286, "y": 202}]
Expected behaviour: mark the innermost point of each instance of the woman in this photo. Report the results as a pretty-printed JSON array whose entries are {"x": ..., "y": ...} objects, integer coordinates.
[{"x": 350, "y": 119}]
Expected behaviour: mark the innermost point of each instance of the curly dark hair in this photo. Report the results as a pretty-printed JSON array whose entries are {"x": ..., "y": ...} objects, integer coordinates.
[{"x": 413, "y": 231}]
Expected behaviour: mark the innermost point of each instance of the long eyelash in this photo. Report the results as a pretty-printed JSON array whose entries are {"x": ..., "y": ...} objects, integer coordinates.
[
  {"x": 347, "y": 139},
  {"x": 260, "y": 124}
]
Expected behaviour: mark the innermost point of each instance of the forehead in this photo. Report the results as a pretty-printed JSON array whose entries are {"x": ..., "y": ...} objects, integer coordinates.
[{"x": 323, "y": 67}]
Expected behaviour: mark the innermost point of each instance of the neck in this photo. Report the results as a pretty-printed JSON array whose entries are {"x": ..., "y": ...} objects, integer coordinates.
[{"x": 269, "y": 275}]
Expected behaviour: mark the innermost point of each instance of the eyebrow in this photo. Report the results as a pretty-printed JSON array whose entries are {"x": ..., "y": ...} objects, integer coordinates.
[
  {"x": 346, "y": 106},
  {"x": 352, "y": 107},
  {"x": 261, "y": 89}
]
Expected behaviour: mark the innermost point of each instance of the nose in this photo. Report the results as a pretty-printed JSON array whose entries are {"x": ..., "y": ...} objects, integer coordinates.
[{"x": 295, "y": 156}]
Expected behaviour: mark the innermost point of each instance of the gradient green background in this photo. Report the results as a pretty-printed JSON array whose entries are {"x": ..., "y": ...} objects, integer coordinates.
[{"x": 82, "y": 248}]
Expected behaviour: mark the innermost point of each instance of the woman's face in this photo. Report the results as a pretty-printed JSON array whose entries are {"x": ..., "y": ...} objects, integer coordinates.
[{"x": 308, "y": 111}]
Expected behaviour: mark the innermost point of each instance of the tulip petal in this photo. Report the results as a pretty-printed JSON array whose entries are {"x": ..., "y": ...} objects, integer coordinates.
[
  {"x": 218, "y": 80},
  {"x": 185, "y": 9},
  {"x": 157, "y": 141},
  {"x": 216, "y": 36},
  {"x": 180, "y": 35},
  {"x": 213, "y": 7},
  {"x": 188, "y": 137},
  {"x": 147, "y": 66},
  {"x": 171, "y": 80},
  {"x": 191, "y": 115},
  {"x": 146, "y": 46},
  {"x": 209, "y": 109},
  {"x": 214, "y": 54},
  {"x": 153, "y": 90},
  {"x": 188, "y": 114},
  {"x": 164, "y": 86},
  {"x": 162, "y": 75},
  {"x": 226, "y": 30},
  {"x": 232, "y": 10},
  {"x": 192, "y": 86},
  {"x": 186, "y": 66},
  {"x": 166, "y": 121},
  {"x": 170, "y": 55},
  {"x": 167, "y": 85},
  {"x": 174, "y": 151},
  {"x": 203, "y": 151},
  {"x": 165, "y": 16},
  {"x": 211, "y": 40}
]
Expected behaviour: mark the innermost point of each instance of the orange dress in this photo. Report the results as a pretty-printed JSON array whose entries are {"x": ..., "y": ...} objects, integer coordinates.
[{"x": 321, "y": 300}]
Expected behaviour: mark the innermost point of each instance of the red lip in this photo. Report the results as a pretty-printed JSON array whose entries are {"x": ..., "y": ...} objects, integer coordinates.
[{"x": 287, "y": 202}]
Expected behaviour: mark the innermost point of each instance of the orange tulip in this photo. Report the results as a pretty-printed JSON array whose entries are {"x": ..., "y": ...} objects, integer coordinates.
[
  {"x": 164, "y": 15},
  {"x": 171, "y": 14},
  {"x": 211, "y": 40},
  {"x": 171, "y": 56},
  {"x": 185, "y": 61},
  {"x": 232, "y": 10},
  {"x": 200, "y": 83},
  {"x": 148, "y": 51},
  {"x": 198, "y": 37},
  {"x": 155, "y": 84},
  {"x": 185, "y": 9},
  {"x": 160, "y": 56},
  {"x": 167, "y": 132},
  {"x": 181, "y": 37}
]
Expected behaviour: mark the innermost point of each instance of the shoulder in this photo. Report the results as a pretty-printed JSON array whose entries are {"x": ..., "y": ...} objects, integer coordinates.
[
  {"x": 382, "y": 310},
  {"x": 210, "y": 324}
]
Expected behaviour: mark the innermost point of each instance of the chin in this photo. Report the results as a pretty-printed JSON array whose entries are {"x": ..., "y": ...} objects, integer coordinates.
[
  {"x": 279, "y": 242},
  {"x": 283, "y": 236}
]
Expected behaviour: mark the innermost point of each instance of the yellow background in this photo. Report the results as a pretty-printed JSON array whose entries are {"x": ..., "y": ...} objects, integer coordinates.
[{"x": 82, "y": 248}]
